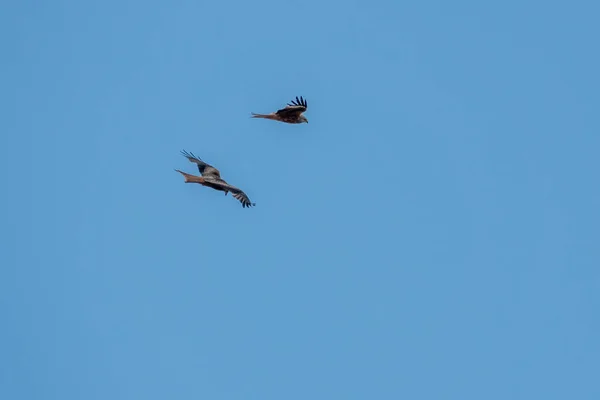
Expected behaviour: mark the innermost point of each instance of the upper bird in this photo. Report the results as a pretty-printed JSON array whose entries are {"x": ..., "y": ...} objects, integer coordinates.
[
  {"x": 211, "y": 177},
  {"x": 291, "y": 114}
]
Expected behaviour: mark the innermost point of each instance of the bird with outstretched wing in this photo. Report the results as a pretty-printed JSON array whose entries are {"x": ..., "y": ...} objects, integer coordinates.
[
  {"x": 291, "y": 114},
  {"x": 211, "y": 177}
]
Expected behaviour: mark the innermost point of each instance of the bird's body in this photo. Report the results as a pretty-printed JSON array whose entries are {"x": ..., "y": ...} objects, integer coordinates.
[
  {"x": 291, "y": 114},
  {"x": 211, "y": 177}
]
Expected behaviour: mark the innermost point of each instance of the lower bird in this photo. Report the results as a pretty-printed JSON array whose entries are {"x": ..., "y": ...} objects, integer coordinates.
[
  {"x": 211, "y": 177},
  {"x": 291, "y": 114}
]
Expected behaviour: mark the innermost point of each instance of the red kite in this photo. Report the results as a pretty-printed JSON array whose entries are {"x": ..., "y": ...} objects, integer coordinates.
[
  {"x": 211, "y": 177},
  {"x": 292, "y": 114}
]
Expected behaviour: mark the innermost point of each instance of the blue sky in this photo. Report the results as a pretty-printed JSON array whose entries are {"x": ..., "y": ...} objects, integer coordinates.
[{"x": 432, "y": 233}]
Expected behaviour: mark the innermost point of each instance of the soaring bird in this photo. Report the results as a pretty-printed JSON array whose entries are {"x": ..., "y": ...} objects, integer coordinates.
[
  {"x": 291, "y": 114},
  {"x": 211, "y": 177}
]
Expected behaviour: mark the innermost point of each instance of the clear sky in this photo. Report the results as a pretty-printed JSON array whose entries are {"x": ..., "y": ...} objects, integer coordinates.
[{"x": 433, "y": 232}]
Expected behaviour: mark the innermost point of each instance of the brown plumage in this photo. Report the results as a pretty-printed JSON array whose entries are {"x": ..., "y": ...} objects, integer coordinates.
[
  {"x": 291, "y": 114},
  {"x": 211, "y": 177}
]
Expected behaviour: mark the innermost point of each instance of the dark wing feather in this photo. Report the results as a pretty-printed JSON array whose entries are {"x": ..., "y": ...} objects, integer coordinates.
[
  {"x": 299, "y": 102},
  {"x": 238, "y": 194},
  {"x": 204, "y": 168},
  {"x": 297, "y": 107}
]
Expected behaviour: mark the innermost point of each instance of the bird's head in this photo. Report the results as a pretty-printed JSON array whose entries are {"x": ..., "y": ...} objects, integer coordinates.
[{"x": 303, "y": 119}]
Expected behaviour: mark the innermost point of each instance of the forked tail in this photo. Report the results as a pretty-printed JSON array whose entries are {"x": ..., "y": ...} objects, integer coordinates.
[
  {"x": 189, "y": 178},
  {"x": 267, "y": 116}
]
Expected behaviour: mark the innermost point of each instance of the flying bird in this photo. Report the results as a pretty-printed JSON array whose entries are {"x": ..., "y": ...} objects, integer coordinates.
[
  {"x": 211, "y": 177},
  {"x": 291, "y": 114}
]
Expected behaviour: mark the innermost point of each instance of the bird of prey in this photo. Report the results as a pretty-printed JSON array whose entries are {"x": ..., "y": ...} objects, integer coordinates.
[
  {"x": 291, "y": 114},
  {"x": 211, "y": 177}
]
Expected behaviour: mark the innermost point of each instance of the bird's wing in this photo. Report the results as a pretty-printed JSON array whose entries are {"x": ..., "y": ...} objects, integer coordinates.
[
  {"x": 235, "y": 192},
  {"x": 204, "y": 168},
  {"x": 297, "y": 107}
]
